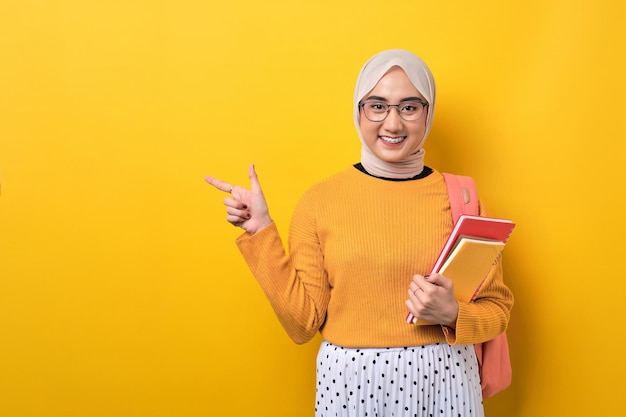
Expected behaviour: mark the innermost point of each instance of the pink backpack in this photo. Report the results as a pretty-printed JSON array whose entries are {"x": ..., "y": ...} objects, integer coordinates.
[{"x": 494, "y": 361}]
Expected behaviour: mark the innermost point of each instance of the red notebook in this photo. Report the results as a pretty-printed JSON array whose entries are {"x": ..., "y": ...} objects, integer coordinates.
[{"x": 474, "y": 227}]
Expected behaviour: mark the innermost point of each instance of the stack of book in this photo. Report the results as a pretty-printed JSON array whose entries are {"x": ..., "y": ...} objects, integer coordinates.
[{"x": 474, "y": 246}]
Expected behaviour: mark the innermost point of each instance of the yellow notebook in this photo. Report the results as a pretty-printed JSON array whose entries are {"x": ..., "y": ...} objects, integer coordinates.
[{"x": 469, "y": 263}]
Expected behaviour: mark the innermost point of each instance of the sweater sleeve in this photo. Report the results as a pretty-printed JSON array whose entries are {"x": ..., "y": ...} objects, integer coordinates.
[
  {"x": 296, "y": 285},
  {"x": 488, "y": 315}
]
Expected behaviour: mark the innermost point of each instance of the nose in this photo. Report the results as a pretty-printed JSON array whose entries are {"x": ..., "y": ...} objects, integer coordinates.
[{"x": 393, "y": 121}]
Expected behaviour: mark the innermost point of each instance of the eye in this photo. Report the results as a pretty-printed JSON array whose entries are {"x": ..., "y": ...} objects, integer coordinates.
[
  {"x": 411, "y": 107},
  {"x": 377, "y": 106}
]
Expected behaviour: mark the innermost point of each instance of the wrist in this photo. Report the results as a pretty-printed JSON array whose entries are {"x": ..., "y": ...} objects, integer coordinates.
[
  {"x": 252, "y": 230},
  {"x": 454, "y": 316}
]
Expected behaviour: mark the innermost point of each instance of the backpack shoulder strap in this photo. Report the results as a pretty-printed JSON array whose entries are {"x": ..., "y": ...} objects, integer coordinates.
[
  {"x": 494, "y": 362},
  {"x": 463, "y": 195}
]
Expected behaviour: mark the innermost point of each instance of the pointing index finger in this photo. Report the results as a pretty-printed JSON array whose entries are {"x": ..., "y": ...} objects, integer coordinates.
[{"x": 220, "y": 185}]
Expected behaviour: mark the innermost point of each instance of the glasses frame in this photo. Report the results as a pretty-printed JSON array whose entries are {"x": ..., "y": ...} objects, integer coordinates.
[{"x": 397, "y": 106}]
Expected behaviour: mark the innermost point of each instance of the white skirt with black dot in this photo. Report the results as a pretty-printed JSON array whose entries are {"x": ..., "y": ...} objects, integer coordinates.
[{"x": 436, "y": 380}]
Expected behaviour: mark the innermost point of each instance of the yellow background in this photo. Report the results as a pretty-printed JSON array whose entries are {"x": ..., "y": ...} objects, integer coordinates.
[{"x": 121, "y": 290}]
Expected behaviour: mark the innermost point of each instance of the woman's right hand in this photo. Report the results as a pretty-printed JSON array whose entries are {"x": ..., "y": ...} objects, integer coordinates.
[{"x": 245, "y": 208}]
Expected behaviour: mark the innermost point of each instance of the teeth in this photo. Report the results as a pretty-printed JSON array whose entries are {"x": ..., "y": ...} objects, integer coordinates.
[{"x": 392, "y": 140}]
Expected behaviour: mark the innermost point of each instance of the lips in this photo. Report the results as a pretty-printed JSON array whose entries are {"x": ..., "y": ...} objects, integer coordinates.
[{"x": 392, "y": 140}]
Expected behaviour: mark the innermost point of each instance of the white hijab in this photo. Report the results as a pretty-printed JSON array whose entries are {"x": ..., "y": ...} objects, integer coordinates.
[{"x": 421, "y": 77}]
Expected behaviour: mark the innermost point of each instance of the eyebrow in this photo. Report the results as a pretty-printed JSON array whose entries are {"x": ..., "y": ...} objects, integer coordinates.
[{"x": 378, "y": 98}]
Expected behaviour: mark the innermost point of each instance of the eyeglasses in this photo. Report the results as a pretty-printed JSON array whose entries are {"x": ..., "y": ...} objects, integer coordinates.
[{"x": 377, "y": 111}]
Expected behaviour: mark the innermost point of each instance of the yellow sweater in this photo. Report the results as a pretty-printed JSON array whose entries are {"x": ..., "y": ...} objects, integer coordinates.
[{"x": 355, "y": 243}]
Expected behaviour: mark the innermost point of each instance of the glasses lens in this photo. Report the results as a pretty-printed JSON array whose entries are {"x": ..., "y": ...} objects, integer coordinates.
[
  {"x": 375, "y": 111},
  {"x": 411, "y": 110}
]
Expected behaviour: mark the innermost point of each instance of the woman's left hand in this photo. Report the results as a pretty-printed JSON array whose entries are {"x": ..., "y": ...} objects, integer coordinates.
[{"x": 431, "y": 298}]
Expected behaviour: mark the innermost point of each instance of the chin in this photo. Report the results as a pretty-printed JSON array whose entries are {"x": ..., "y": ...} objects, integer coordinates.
[{"x": 392, "y": 159}]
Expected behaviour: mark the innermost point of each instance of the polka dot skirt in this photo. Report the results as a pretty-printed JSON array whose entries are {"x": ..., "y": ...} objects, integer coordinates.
[{"x": 436, "y": 380}]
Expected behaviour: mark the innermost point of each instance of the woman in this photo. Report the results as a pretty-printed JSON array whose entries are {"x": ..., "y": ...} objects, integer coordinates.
[{"x": 360, "y": 245}]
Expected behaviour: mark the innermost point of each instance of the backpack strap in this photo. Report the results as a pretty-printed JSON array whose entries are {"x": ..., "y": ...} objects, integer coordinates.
[
  {"x": 494, "y": 362},
  {"x": 463, "y": 195}
]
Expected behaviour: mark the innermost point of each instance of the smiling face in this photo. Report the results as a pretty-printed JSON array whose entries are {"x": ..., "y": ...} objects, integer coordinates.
[{"x": 393, "y": 139}]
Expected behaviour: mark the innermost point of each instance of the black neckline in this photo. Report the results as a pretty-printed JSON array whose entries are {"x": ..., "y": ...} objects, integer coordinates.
[{"x": 425, "y": 172}]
